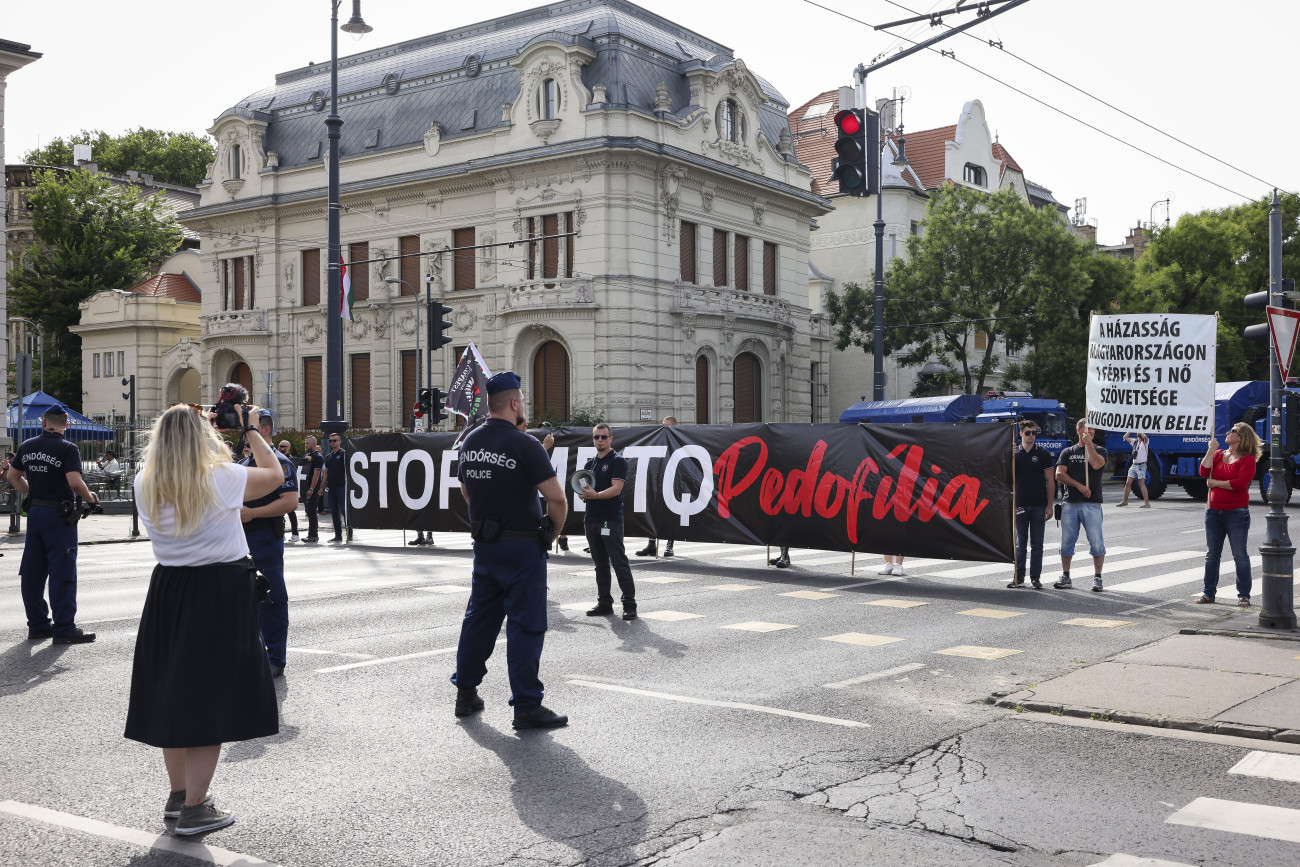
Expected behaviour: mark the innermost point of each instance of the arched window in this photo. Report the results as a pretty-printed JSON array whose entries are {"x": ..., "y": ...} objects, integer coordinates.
[
  {"x": 748, "y": 385},
  {"x": 973, "y": 174},
  {"x": 702, "y": 389},
  {"x": 731, "y": 123},
  {"x": 241, "y": 374},
  {"x": 550, "y": 383},
  {"x": 236, "y": 163},
  {"x": 548, "y": 100}
]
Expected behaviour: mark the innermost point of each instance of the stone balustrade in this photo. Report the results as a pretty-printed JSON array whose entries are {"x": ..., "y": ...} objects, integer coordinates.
[
  {"x": 239, "y": 323},
  {"x": 721, "y": 300}
]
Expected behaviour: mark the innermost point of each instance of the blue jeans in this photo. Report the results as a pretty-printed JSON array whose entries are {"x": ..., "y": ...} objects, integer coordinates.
[
  {"x": 1235, "y": 524},
  {"x": 1087, "y": 515},
  {"x": 1029, "y": 529}
]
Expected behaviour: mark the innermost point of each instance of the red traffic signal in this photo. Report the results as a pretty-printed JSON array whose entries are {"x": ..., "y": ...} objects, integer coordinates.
[
  {"x": 848, "y": 122},
  {"x": 851, "y": 149}
]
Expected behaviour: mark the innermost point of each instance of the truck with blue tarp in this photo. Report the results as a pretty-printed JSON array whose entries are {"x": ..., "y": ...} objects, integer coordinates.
[
  {"x": 1008, "y": 407},
  {"x": 1174, "y": 459}
]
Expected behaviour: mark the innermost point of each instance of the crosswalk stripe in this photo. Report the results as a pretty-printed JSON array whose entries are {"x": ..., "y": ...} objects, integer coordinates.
[
  {"x": 727, "y": 704},
  {"x": 1237, "y": 817},
  {"x": 1119, "y": 859},
  {"x": 1173, "y": 579},
  {"x": 995, "y": 568},
  {"x": 1270, "y": 766}
]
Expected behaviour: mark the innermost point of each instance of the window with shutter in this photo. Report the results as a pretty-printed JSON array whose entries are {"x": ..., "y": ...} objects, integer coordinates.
[
  {"x": 687, "y": 252},
  {"x": 769, "y": 268},
  {"x": 240, "y": 373},
  {"x": 550, "y": 247},
  {"x": 568, "y": 245},
  {"x": 361, "y": 390},
  {"x": 551, "y": 383},
  {"x": 742, "y": 263},
  {"x": 252, "y": 283},
  {"x": 463, "y": 263},
  {"x": 410, "y": 378},
  {"x": 311, "y": 279},
  {"x": 748, "y": 387},
  {"x": 409, "y": 248},
  {"x": 702, "y": 390},
  {"x": 360, "y": 274},
  {"x": 981, "y": 340},
  {"x": 719, "y": 257},
  {"x": 225, "y": 284},
  {"x": 311, "y": 391},
  {"x": 531, "y": 223},
  {"x": 237, "y": 265}
]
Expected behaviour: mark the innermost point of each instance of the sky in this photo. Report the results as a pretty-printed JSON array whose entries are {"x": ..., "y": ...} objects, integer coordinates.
[{"x": 1210, "y": 74}]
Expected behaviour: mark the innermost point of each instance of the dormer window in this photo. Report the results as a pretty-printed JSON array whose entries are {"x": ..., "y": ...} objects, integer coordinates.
[
  {"x": 731, "y": 124},
  {"x": 974, "y": 175},
  {"x": 548, "y": 100},
  {"x": 236, "y": 163}
]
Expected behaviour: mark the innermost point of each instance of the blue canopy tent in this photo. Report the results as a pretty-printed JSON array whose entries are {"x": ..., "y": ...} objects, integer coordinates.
[{"x": 34, "y": 405}]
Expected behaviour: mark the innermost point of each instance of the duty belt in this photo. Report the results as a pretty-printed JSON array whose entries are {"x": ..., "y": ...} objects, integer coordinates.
[
  {"x": 49, "y": 504},
  {"x": 518, "y": 535}
]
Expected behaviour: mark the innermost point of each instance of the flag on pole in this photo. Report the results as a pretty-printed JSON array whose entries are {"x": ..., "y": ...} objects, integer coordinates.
[
  {"x": 467, "y": 394},
  {"x": 346, "y": 299}
]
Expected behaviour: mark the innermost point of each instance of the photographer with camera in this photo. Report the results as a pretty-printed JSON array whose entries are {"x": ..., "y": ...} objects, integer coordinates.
[
  {"x": 263, "y": 519},
  {"x": 200, "y": 676},
  {"x": 47, "y": 470}
]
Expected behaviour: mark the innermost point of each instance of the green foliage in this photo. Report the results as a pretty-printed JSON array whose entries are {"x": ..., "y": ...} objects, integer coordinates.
[
  {"x": 91, "y": 235},
  {"x": 173, "y": 157}
]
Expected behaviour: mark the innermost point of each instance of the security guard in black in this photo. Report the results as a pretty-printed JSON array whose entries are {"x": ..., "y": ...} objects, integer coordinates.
[{"x": 48, "y": 469}]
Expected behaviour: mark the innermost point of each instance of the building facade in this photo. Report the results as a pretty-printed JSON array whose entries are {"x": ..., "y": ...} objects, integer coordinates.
[{"x": 609, "y": 203}]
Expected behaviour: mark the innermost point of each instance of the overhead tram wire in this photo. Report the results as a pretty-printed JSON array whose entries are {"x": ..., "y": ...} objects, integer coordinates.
[
  {"x": 1054, "y": 108},
  {"x": 1112, "y": 107}
]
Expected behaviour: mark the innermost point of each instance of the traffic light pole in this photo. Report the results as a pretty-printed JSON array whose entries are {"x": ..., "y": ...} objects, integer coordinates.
[{"x": 1277, "y": 603}]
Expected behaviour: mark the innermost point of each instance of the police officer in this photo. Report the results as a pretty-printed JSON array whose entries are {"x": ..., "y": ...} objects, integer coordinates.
[
  {"x": 48, "y": 468},
  {"x": 264, "y": 529},
  {"x": 499, "y": 470}
]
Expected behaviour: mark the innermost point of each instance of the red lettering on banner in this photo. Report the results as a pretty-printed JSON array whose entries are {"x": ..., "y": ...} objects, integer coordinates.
[{"x": 809, "y": 490}]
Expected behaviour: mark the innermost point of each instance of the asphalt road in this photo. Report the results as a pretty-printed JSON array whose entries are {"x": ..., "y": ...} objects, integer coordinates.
[{"x": 845, "y": 723}]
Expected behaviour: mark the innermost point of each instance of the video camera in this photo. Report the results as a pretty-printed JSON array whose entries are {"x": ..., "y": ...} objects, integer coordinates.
[
  {"x": 72, "y": 512},
  {"x": 232, "y": 395}
]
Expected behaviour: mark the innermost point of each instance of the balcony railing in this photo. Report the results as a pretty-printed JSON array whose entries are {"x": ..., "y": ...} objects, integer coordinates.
[
  {"x": 546, "y": 293},
  {"x": 235, "y": 322},
  {"x": 690, "y": 298}
]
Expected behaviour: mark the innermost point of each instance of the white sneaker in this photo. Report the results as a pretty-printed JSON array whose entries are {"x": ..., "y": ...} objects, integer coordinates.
[
  {"x": 898, "y": 570},
  {"x": 887, "y": 569},
  {"x": 293, "y": 538}
]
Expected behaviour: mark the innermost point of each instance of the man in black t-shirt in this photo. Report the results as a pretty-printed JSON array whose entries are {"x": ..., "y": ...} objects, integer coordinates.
[
  {"x": 336, "y": 486},
  {"x": 1078, "y": 468},
  {"x": 604, "y": 524},
  {"x": 315, "y": 487},
  {"x": 48, "y": 469},
  {"x": 1035, "y": 493}
]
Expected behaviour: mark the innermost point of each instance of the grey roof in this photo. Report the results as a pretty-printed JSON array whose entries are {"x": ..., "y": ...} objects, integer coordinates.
[
  {"x": 1040, "y": 193},
  {"x": 635, "y": 50}
]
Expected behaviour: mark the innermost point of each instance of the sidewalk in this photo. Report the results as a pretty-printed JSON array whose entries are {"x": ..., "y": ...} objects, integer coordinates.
[{"x": 1229, "y": 677}]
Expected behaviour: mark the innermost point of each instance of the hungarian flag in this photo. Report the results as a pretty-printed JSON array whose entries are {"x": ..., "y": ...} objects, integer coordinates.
[
  {"x": 467, "y": 394},
  {"x": 346, "y": 297}
]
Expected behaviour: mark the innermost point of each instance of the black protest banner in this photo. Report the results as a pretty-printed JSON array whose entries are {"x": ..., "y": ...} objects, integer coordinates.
[{"x": 933, "y": 490}]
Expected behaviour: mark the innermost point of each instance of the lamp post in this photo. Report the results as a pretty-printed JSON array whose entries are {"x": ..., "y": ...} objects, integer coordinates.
[
  {"x": 1151, "y": 212},
  {"x": 40, "y": 345},
  {"x": 878, "y": 332},
  {"x": 334, "y": 423}
]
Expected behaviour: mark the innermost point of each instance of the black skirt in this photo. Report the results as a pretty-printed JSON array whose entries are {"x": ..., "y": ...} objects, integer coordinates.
[{"x": 200, "y": 676}]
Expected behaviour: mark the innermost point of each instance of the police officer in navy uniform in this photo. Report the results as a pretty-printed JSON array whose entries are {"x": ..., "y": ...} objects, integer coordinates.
[
  {"x": 48, "y": 468},
  {"x": 264, "y": 529},
  {"x": 499, "y": 471}
]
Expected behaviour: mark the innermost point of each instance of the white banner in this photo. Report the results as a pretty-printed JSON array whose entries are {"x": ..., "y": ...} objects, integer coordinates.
[{"x": 1152, "y": 373}]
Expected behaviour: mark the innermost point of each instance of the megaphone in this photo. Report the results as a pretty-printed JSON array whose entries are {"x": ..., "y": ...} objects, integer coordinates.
[{"x": 582, "y": 480}]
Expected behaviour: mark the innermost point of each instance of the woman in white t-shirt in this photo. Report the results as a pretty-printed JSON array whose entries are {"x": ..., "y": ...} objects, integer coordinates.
[{"x": 200, "y": 676}]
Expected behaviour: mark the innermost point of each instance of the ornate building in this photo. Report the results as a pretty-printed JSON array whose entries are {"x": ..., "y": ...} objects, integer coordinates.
[{"x": 609, "y": 202}]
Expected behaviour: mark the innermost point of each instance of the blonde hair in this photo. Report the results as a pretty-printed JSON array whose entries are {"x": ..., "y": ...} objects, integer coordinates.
[
  {"x": 183, "y": 449},
  {"x": 1249, "y": 440}
]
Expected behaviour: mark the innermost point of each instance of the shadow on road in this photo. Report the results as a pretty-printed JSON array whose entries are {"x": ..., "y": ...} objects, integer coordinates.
[
  {"x": 243, "y": 751},
  {"x": 560, "y": 797},
  {"x": 23, "y": 670},
  {"x": 637, "y": 637}
]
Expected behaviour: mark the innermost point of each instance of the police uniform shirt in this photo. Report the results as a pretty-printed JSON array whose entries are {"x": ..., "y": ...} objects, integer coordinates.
[
  {"x": 46, "y": 460},
  {"x": 288, "y": 485},
  {"x": 1075, "y": 461},
  {"x": 612, "y": 466},
  {"x": 499, "y": 465},
  {"x": 1031, "y": 485},
  {"x": 335, "y": 469}
]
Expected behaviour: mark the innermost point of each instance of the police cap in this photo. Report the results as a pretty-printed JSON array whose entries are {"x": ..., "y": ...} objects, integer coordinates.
[
  {"x": 55, "y": 414},
  {"x": 504, "y": 381}
]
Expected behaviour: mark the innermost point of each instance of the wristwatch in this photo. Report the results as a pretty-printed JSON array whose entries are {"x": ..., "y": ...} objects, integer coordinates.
[{"x": 250, "y": 428}]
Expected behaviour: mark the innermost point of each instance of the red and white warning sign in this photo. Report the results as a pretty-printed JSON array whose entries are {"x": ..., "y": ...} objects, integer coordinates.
[{"x": 1283, "y": 325}]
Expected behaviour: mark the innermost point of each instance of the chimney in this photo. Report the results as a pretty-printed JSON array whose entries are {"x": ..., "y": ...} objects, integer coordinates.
[
  {"x": 147, "y": 178},
  {"x": 132, "y": 175}
]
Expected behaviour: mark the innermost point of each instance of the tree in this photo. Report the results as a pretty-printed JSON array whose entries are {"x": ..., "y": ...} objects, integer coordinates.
[
  {"x": 984, "y": 264},
  {"x": 91, "y": 235},
  {"x": 172, "y": 157}
]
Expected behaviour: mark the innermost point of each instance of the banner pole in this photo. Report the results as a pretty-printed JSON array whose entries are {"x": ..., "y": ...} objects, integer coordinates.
[
  {"x": 768, "y": 558},
  {"x": 853, "y": 564}
]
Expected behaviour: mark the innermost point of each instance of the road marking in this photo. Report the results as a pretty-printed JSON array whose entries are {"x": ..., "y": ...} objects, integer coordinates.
[
  {"x": 575, "y": 606},
  {"x": 866, "y": 583},
  {"x": 659, "y": 579},
  {"x": 896, "y": 603},
  {"x": 1237, "y": 817},
  {"x": 444, "y": 588},
  {"x": 760, "y": 626},
  {"x": 991, "y": 612},
  {"x": 876, "y": 675},
  {"x": 1097, "y": 624},
  {"x": 862, "y": 639},
  {"x": 1153, "y": 605},
  {"x": 1270, "y": 766},
  {"x": 735, "y": 705},
  {"x": 734, "y": 588},
  {"x": 670, "y": 616},
  {"x": 810, "y": 594},
  {"x": 973, "y": 652},
  {"x": 825, "y": 561},
  {"x": 154, "y": 842},
  {"x": 330, "y": 652},
  {"x": 995, "y": 568},
  {"x": 1173, "y": 579},
  {"x": 1151, "y": 732},
  {"x": 387, "y": 659},
  {"x": 1119, "y": 859}
]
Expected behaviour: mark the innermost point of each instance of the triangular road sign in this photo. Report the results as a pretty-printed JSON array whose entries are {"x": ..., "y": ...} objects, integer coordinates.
[{"x": 1283, "y": 325}]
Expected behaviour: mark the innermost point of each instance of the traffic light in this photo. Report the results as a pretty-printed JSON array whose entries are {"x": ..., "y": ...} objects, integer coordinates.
[
  {"x": 424, "y": 403},
  {"x": 857, "y": 164},
  {"x": 439, "y": 326},
  {"x": 1260, "y": 301}
]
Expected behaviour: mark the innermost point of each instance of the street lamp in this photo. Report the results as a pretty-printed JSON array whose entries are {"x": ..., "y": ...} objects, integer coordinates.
[
  {"x": 878, "y": 333},
  {"x": 334, "y": 423},
  {"x": 40, "y": 345},
  {"x": 1152, "y": 212}
]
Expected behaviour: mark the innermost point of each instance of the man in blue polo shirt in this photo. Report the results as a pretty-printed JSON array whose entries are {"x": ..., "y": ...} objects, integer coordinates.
[
  {"x": 501, "y": 471},
  {"x": 604, "y": 524},
  {"x": 264, "y": 529},
  {"x": 48, "y": 468}
]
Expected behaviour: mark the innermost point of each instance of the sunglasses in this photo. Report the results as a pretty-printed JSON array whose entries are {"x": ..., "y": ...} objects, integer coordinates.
[
  {"x": 600, "y": 436},
  {"x": 1031, "y": 433}
]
